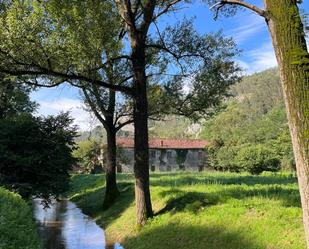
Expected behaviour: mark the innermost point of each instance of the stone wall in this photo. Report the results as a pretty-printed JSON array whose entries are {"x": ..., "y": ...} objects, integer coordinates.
[{"x": 166, "y": 159}]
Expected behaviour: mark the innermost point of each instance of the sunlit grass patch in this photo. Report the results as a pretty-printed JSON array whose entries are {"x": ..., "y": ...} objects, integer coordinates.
[{"x": 204, "y": 210}]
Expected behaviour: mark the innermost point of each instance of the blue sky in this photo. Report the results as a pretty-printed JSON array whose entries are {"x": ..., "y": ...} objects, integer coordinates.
[{"x": 248, "y": 30}]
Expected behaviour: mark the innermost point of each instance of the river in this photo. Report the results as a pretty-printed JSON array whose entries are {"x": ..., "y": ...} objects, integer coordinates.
[{"x": 64, "y": 226}]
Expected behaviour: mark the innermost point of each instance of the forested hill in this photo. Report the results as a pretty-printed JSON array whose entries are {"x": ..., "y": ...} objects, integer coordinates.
[{"x": 252, "y": 132}]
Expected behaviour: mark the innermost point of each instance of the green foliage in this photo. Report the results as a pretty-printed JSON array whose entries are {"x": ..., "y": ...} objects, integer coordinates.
[
  {"x": 35, "y": 154},
  {"x": 14, "y": 98},
  {"x": 17, "y": 227},
  {"x": 87, "y": 154},
  {"x": 201, "y": 210},
  {"x": 256, "y": 159},
  {"x": 253, "y": 122},
  {"x": 207, "y": 72},
  {"x": 57, "y": 35}
]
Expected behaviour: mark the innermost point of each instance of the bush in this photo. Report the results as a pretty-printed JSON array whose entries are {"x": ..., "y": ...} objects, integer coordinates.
[
  {"x": 17, "y": 227},
  {"x": 256, "y": 159},
  {"x": 35, "y": 154}
]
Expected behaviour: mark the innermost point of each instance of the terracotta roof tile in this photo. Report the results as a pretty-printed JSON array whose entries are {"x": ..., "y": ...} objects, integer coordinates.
[{"x": 158, "y": 143}]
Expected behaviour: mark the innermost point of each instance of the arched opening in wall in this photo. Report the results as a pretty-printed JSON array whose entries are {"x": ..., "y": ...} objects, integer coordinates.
[
  {"x": 119, "y": 168},
  {"x": 168, "y": 168},
  {"x": 200, "y": 167},
  {"x": 168, "y": 155},
  {"x": 182, "y": 167},
  {"x": 153, "y": 168},
  {"x": 153, "y": 154}
]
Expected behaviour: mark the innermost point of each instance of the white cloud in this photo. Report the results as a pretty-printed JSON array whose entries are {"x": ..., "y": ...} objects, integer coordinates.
[
  {"x": 82, "y": 118},
  {"x": 253, "y": 25},
  {"x": 262, "y": 58},
  {"x": 258, "y": 59}
]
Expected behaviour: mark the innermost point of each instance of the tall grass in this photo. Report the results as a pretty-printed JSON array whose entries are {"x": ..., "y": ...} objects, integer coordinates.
[{"x": 201, "y": 211}]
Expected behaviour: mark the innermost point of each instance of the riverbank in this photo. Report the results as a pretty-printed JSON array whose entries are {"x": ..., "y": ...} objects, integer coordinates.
[
  {"x": 17, "y": 227},
  {"x": 200, "y": 210}
]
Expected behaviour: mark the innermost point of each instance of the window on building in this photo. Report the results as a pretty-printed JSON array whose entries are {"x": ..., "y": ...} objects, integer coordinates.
[
  {"x": 169, "y": 155},
  {"x": 153, "y": 153}
]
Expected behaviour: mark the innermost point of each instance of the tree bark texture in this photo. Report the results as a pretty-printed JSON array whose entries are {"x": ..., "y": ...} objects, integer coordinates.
[
  {"x": 141, "y": 153},
  {"x": 111, "y": 189},
  {"x": 288, "y": 37}
]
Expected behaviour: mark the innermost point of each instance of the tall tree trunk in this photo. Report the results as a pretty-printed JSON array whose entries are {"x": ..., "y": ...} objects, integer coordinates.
[
  {"x": 111, "y": 189},
  {"x": 141, "y": 153},
  {"x": 288, "y": 38}
]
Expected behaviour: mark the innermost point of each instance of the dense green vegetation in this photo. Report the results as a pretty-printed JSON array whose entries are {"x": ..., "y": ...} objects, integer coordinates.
[
  {"x": 87, "y": 153},
  {"x": 17, "y": 227},
  {"x": 251, "y": 134},
  {"x": 200, "y": 210},
  {"x": 35, "y": 152}
]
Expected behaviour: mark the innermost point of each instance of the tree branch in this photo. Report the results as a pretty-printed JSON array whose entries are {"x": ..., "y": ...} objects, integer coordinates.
[
  {"x": 121, "y": 125},
  {"x": 94, "y": 109},
  {"x": 46, "y": 72},
  {"x": 166, "y": 9},
  {"x": 148, "y": 16},
  {"x": 250, "y": 6}
]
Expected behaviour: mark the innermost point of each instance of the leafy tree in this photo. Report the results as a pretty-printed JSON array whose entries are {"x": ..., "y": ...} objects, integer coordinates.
[
  {"x": 256, "y": 159},
  {"x": 14, "y": 98},
  {"x": 75, "y": 54},
  {"x": 87, "y": 154},
  {"x": 35, "y": 154},
  {"x": 285, "y": 26}
]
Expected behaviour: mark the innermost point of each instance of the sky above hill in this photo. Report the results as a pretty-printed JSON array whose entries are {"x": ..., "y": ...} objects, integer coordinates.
[{"x": 247, "y": 29}]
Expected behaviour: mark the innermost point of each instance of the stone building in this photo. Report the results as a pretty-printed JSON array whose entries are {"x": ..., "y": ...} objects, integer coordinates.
[{"x": 165, "y": 154}]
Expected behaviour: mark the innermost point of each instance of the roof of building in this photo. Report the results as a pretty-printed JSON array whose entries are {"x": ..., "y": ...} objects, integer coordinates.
[{"x": 158, "y": 143}]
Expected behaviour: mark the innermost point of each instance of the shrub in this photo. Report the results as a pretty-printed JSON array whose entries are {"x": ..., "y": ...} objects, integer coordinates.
[
  {"x": 256, "y": 159},
  {"x": 17, "y": 227}
]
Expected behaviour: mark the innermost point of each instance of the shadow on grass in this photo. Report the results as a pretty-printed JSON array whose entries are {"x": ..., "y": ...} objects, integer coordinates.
[
  {"x": 190, "y": 237},
  {"x": 188, "y": 201},
  {"x": 182, "y": 180},
  {"x": 91, "y": 203},
  {"x": 194, "y": 201}
]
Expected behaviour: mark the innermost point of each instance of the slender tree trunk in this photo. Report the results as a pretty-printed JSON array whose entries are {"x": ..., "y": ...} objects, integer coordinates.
[
  {"x": 141, "y": 153},
  {"x": 111, "y": 189},
  {"x": 288, "y": 38}
]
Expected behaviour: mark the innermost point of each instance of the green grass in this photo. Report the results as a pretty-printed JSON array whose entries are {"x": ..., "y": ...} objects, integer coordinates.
[
  {"x": 200, "y": 211},
  {"x": 17, "y": 227}
]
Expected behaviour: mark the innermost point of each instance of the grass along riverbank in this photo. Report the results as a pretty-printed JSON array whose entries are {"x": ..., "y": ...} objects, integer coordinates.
[
  {"x": 17, "y": 227},
  {"x": 200, "y": 210}
]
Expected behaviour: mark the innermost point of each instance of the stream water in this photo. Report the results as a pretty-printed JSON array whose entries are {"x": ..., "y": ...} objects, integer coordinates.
[{"x": 64, "y": 226}]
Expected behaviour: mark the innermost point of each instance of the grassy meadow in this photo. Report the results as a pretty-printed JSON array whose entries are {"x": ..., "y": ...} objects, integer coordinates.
[
  {"x": 200, "y": 210},
  {"x": 17, "y": 227}
]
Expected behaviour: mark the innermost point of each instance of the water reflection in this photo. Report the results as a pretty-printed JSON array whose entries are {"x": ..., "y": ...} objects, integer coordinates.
[{"x": 64, "y": 226}]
